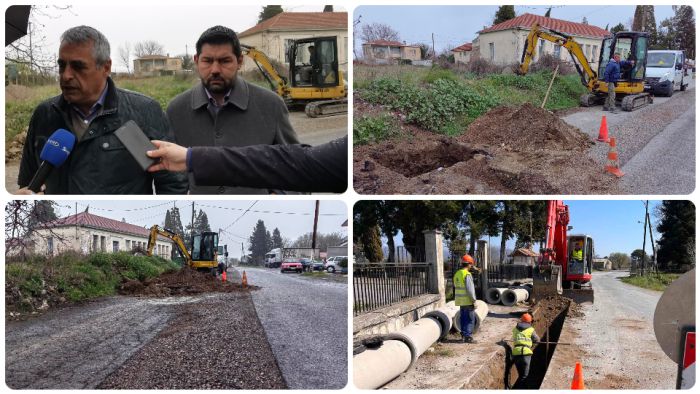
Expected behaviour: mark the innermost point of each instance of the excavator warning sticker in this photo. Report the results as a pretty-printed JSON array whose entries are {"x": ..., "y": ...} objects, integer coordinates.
[{"x": 688, "y": 371}]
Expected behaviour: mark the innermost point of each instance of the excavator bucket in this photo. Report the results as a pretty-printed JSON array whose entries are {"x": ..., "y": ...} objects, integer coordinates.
[
  {"x": 580, "y": 296},
  {"x": 546, "y": 281}
]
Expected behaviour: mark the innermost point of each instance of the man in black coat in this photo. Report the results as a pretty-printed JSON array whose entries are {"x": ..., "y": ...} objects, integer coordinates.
[{"x": 92, "y": 108}]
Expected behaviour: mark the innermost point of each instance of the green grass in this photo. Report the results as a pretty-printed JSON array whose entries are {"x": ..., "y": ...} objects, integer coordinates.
[
  {"x": 374, "y": 128},
  {"x": 446, "y": 102},
  {"x": 77, "y": 277},
  {"x": 657, "y": 282},
  {"x": 315, "y": 274}
]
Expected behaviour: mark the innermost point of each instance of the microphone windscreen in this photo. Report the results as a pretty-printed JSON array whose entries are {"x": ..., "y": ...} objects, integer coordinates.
[{"x": 58, "y": 147}]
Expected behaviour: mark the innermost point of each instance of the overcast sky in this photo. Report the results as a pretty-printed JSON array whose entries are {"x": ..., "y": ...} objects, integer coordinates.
[
  {"x": 456, "y": 25},
  {"x": 177, "y": 27},
  {"x": 293, "y": 218}
]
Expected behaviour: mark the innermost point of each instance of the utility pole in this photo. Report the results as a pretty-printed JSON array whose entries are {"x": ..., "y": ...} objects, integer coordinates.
[
  {"x": 433, "y": 37},
  {"x": 192, "y": 228},
  {"x": 313, "y": 236},
  {"x": 644, "y": 243}
]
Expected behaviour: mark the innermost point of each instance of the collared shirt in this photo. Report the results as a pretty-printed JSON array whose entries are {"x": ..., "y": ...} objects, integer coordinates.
[
  {"x": 94, "y": 110},
  {"x": 213, "y": 106}
]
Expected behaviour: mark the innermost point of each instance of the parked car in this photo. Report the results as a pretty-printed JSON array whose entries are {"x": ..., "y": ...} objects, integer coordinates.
[
  {"x": 306, "y": 263},
  {"x": 317, "y": 266},
  {"x": 291, "y": 265},
  {"x": 333, "y": 263}
]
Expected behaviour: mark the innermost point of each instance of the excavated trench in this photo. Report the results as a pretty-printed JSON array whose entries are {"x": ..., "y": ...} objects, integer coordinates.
[{"x": 432, "y": 156}]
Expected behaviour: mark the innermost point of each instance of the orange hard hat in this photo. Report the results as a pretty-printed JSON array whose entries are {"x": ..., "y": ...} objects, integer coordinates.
[
  {"x": 467, "y": 259},
  {"x": 526, "y": 317}
]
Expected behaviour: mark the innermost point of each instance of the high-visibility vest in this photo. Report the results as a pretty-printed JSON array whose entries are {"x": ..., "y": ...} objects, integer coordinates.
[
  {"x": 462, "y": 298},
  {"x": 577, "y": 254},
  {"x": 522, "y": 341}
]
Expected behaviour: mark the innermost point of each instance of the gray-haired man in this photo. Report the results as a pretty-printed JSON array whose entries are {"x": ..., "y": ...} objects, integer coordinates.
[{"x": 92, "y": 108}]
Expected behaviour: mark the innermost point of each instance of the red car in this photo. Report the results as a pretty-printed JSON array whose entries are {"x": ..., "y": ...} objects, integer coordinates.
[{"x": 291, "y": 265}]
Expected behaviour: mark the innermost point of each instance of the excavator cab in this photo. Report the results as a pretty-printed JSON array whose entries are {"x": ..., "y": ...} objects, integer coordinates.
[
  {"x": 313, "y": 62},
  {"x": 204, "y": 250},
  {"x": 631, "y": 46},
  {"x": 576, "y": 276}
]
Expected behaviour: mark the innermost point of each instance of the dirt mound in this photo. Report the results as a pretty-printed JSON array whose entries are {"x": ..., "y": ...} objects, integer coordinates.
[
  {"x": 525, "y": 128},
  {"x": 14, "y": 147},
  {"x": 495, "y": 156},
  {"x": 182, "y": 282}
]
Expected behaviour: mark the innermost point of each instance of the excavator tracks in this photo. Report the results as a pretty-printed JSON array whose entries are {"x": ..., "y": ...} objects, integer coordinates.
[
  {"x": 320, "y": 109},
  {"x": 635, "y": 101}
]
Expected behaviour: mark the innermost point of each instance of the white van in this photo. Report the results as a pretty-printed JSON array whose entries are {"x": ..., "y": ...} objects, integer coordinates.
[
  {"x": 273, "y": 258},
  {"x": 666, "y": 71}
]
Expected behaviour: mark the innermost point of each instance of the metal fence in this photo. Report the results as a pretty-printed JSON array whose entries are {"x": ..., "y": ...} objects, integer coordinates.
[
  {"x": 506, "y": 272},
  {"x": 376, "y": 285}
]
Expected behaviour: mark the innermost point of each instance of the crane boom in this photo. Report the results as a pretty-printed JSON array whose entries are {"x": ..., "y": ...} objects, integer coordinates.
[{"x": 156, "y": 230}]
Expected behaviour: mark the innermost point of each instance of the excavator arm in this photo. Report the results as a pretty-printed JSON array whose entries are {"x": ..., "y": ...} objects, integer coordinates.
[
  {"x": 277, "y": 82},
  {"x": 589, "y": 78},
  {"x": 153, "y": 236}
]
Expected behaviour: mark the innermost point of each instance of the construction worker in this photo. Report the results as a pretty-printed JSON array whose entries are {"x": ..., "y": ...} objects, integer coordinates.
[
  {"x": 524, "y": 336},
  {"x": 577, "y": 254},
  {"x": 465, "y": 297},
  {"x": 610, "y": 76}
]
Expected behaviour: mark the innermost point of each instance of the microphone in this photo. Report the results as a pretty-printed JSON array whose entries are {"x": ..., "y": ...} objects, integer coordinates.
[{"x": 53, "y": 155}]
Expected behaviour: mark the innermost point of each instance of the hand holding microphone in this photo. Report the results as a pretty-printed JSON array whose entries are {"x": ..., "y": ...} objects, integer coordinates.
[{"x": 55, "y": 152}]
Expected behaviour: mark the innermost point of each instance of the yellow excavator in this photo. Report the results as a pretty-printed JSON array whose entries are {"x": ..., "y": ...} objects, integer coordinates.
[
  {"x": 630, "y": 46},
  {"x": 314, "y": 80},
  {"x": 204, "y": 248}
]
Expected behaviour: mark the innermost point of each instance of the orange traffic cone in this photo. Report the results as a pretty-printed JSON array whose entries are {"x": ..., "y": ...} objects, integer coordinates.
[
  {"x": 223, "y": 276},
  {"x": 603, "y": 132},
  {"x": 613, "y": 166},
  {"x": 577, "y": 383},
  {"x": 244, "y": 282}
]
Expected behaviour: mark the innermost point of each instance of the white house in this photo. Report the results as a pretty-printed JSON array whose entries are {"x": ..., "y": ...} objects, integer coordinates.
[
  {"x": 87, "y": 233},
  {"x": 503, "y": 43},
  {"x": 463, "y": 53},
  {"x": 274, "y": 35},
  {"x": 524, "y": 256}
]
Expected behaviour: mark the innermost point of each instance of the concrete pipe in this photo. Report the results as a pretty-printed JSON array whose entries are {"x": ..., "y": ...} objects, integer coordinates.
[
  {"x": 494, "y": 294},
  {"x": 511, "y": 297},
  {"x": 422, "y": 333},
  {"x": 374, "y": 368},
  {"x": 443, "y": 318},
  {"x": 481, "y": 310}
]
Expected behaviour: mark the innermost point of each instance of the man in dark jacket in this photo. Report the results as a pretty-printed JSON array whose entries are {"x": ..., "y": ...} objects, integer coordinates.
[
  {"x": 300, "y": 168},
  {"x": 92, "y": 108},
  {"x": 524, "y": 336},
  {"x": 611, "y": 76},
  {"x": 225, "y": 110}
]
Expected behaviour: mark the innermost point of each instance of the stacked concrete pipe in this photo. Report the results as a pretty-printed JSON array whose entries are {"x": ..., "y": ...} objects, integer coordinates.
[
  {"x": 480, "y": 311},
  {"x": 511, "y": 297},
  {"x": 399, "y": 350},
  {"x": 494, "y": 294}
]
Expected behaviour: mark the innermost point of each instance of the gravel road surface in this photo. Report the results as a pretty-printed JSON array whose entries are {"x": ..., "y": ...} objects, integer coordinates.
[
  {"x": 616, "y": 334},
  {"x": 78, "y": 346},
  {"x": 306, "y": 321},
  {"x": 656, "y": 144}
]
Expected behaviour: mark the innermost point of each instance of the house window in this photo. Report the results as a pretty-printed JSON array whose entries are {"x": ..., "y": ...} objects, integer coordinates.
[
  {"x": 128, "y": 244},
  {"x": 95, "y": 240},
  {"x": 541, "y": 51},
  {"x": 287, "y": 44},
  {"x": 594, "y": 55},
  {"x": 49, "y": 246},
  {"x": 557, "y": 52},
  {"x": 103, "y": 241},
  {"x": 115, "y": 246},
  {"x": 492, "y": 51}
]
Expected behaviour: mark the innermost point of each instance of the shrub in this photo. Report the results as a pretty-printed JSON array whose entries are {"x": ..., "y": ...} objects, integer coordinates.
[{"x": 372, "y": 129}]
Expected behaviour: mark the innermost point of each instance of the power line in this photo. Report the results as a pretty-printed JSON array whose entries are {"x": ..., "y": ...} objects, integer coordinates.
[
  {"x": 272, "y": 212},
  {"x": 239, "y": 218}
]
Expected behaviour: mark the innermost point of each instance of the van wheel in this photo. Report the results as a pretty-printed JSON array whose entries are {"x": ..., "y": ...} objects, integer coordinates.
[
  {"x": 331, "y": 269},
  {"x": 669, "y": 92}
]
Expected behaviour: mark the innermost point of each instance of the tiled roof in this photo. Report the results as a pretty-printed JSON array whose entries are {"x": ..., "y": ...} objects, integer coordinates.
[
  {"x": 149, "y": 57},
  {"x": 386, "y": 43},
  {"x": 525, "y": 21},
  {"x": 86, "y": 219},
  {"x": 525, "y": 252},
  {"x": 463, "y": 47},
  {"x": 301, "y": 21}
]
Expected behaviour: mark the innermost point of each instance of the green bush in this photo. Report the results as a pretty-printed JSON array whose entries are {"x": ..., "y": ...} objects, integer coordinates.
[{"x": 372, "y": 129}]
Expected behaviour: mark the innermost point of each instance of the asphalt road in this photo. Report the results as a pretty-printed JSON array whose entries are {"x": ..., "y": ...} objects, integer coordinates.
[
  {"x": 617, "y": 333},
  {"x": 78, "y": 346},
  {"x": 656, "y": 144},
  {"x": 306, "y": 321}
]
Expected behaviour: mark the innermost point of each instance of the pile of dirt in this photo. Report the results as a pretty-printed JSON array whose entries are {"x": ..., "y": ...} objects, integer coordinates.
[
  {"x": 182, "y": 282},
  {"x": 525, "y": 128},
  {"x": 14, "y": 147},
  {"x": 547, "y": 309},
  {"x": 509, "y": 150}
]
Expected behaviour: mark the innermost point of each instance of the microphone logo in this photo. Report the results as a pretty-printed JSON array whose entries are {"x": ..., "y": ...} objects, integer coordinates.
[{"x": 53, "y": 142}]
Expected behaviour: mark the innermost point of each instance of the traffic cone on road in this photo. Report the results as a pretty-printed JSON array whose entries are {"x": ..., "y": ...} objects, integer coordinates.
[
  {"x": 603, "y": 132},
  {"x": 577, "y": 383},
  {"x": 223, "y": 276},
  {"x": 244, "y": 282},
  {"x": 613, "y": 165}
]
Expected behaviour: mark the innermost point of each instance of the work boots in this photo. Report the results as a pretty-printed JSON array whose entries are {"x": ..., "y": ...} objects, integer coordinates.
[{"x": 468, "y": 340}]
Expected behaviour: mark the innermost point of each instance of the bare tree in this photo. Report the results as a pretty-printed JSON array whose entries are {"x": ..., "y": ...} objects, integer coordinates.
[
  {"x": 378, "y": 31},
  {"x": 125, "y": 56},
  {"x": 148, "y": 48},
  {"x": 32, "y": 51},
  {"x": 21, "y": 219}
]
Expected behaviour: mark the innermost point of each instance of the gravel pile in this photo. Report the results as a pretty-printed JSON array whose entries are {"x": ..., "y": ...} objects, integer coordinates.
[
  {"x": 217, "y": 343},
  {"x": 183, "y": 282}
]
